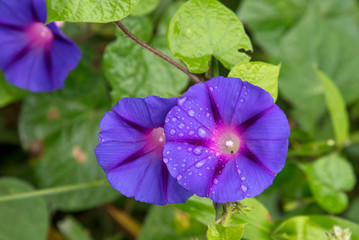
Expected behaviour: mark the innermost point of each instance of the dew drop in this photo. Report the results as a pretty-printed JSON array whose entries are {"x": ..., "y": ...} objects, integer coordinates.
[
  {"x": 200, "y": 174},
  {"x": 168, "y": 152},
  {"x": 243, "y": 178},
  {"x": 179, "y": 148},
  {"x": 201, "y": 132},
  {"x": 165, "y": 160},
  {"x": 181, "y": 134},
  {"x": 197, "y": 151},
  {"x": 174, "y": 119},
  {"x": 208, "y": 115},
  {"x": 167, "y": 120},
  {"x": 189, "y": 149},
  {"x": 215, "y": 181},
  {"x": 179, "y": 177},
  {"x": 191, "y": 132},
  {"x": 200, "y": 164},
  {"x": 181, "y": 125},
  {"x": 211, "y": 88},
  {"x": 183, "y": 165},
  {"x": 190, "y": 174},
  {"x": 172, "y": 132},
  {"x": 191, "y": 113},
  {"x": 244, "y": 188},
  {"x": 241, "y": 100}
]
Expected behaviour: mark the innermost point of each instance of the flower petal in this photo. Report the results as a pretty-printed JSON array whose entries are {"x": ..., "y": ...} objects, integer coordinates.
[
  {"x": 18, "y": 13},
  {"x": 226, "y": 187},
  {"x": 252, "y": 101},
  {"x": 30, "y": 71},
  {"x": 192, "y": 165},
  {"x": 12, "y": 42},
  {"x": 269, "y": 124},
  {"x": 271, "y": 153},
  {"x": 254, "y": 179},
  {"x": 225, "y": 93},
  {"x": 158, "y": 109}
]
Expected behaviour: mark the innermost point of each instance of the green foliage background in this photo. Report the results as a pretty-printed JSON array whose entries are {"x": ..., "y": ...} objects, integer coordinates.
[{"x": 309, "y": 48}]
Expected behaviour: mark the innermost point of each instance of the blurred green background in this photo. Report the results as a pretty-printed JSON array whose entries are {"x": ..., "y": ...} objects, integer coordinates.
[{"x": 47, "y": 140}]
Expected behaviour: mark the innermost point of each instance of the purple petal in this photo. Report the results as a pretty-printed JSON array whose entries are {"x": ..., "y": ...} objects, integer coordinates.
[
  {"x": 193, "y": 166},
  {"x": 64, "y": 56},
  {"x": 130, "y": 151},
  {"x": 226, "y": 186},
  {"x": 271, "y": 124},
  {"x": 114, "y": 129},
  {"x": 158, "y": 109},
  {"x": 225, "y": 93},
  {"x": 180, "y": 126},
  {"x": 39, "y": 10},
  {"x": 253, "y": 178},
  {"x": 30, "y": 72},
  {"x": 12, "y": 42},
  {"x": 18, "y": 13},
  {"x": 252, "y": 101},
  {"x": 196, "y": 104},
  {"x": 271, "y": 153}
]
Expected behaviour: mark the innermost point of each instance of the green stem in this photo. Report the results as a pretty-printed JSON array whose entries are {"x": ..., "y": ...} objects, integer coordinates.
[
  {"x": 218, "y": 207},
  {"x": 50, "y": 191}
]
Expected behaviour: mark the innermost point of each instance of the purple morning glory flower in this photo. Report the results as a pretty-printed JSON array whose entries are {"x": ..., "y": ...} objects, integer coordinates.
[
  {"x": 130, "y": 151},
  {"x": 33, "y": 56},
  {"x": 226, "y": 139}
]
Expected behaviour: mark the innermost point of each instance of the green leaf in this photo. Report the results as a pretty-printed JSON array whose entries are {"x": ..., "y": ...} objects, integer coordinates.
[
  {"x": 88, "y": 11},
  {"x": 135, "y": 72},
  {"x": 311, "y": 228},
  {"x": 328, "y": 177},
  {"x": 22, "y": 219},
  {"x": 166, "y": 222},
  {"x": 144, "y": 7},
  {"x": 336, "y": 106},
  {"x": 258, "y": 219},
  {"x": 72, "y": 229},
  {"x": 61, "y": 129},
  {"x": 204, "y": 28},
  {"x": 8, "y": 92},
  {"x": 300, "y": 34},
  {"x": 219, "y": 232},
  {"x": 261, "y": 74}
]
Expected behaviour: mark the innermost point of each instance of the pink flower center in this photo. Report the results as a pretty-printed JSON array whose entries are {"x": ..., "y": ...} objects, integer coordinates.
[
  {"x": 227, "y": 141},
  {"x": 156, "y": 139},
  {"x": 39, "y": 35}
]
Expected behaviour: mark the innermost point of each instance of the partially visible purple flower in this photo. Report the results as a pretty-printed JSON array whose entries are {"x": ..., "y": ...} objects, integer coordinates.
[
  {"x": 226, "y": 139},
  {"x": 33, "y": 56},
  {"x": 130, "y": 151}
]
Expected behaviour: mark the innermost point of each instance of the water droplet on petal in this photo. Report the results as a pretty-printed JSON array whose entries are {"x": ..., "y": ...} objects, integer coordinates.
[
  {"x": 172, "y": 132},
  {"x": 208, "y": 115},
  {"x": 174, "y": 119},
  {"x": 190, "y": 173},
  {"x": 181, "y": 134},
  {"x": 179, "y": 177},
  {"x": 200, "y": 174},
  {"x": 191, "y": 132},
  {"x": 179, "y": 148},
  {"x": 165, "y": 160},
  {"x": 243, "y": 178},
  {"x": 183, "y": 165},
  {"x": 181, "y": 125},
  {"x": 211, "y": 88},
  {"x": 201, "y": 132},
  {"x": 167, "y": 120},
  {"x": 215, "y": 181},
  {"x": 200, "y": 164},
  {"x": 191, "y": 113},
  {"x": 189, "y": 149},
  {"x": 197, "y": 150},
  {"x": 241, "y": 100},
  {"x": 168, "y": 152},
  {"x": 244, "y": 188}
]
